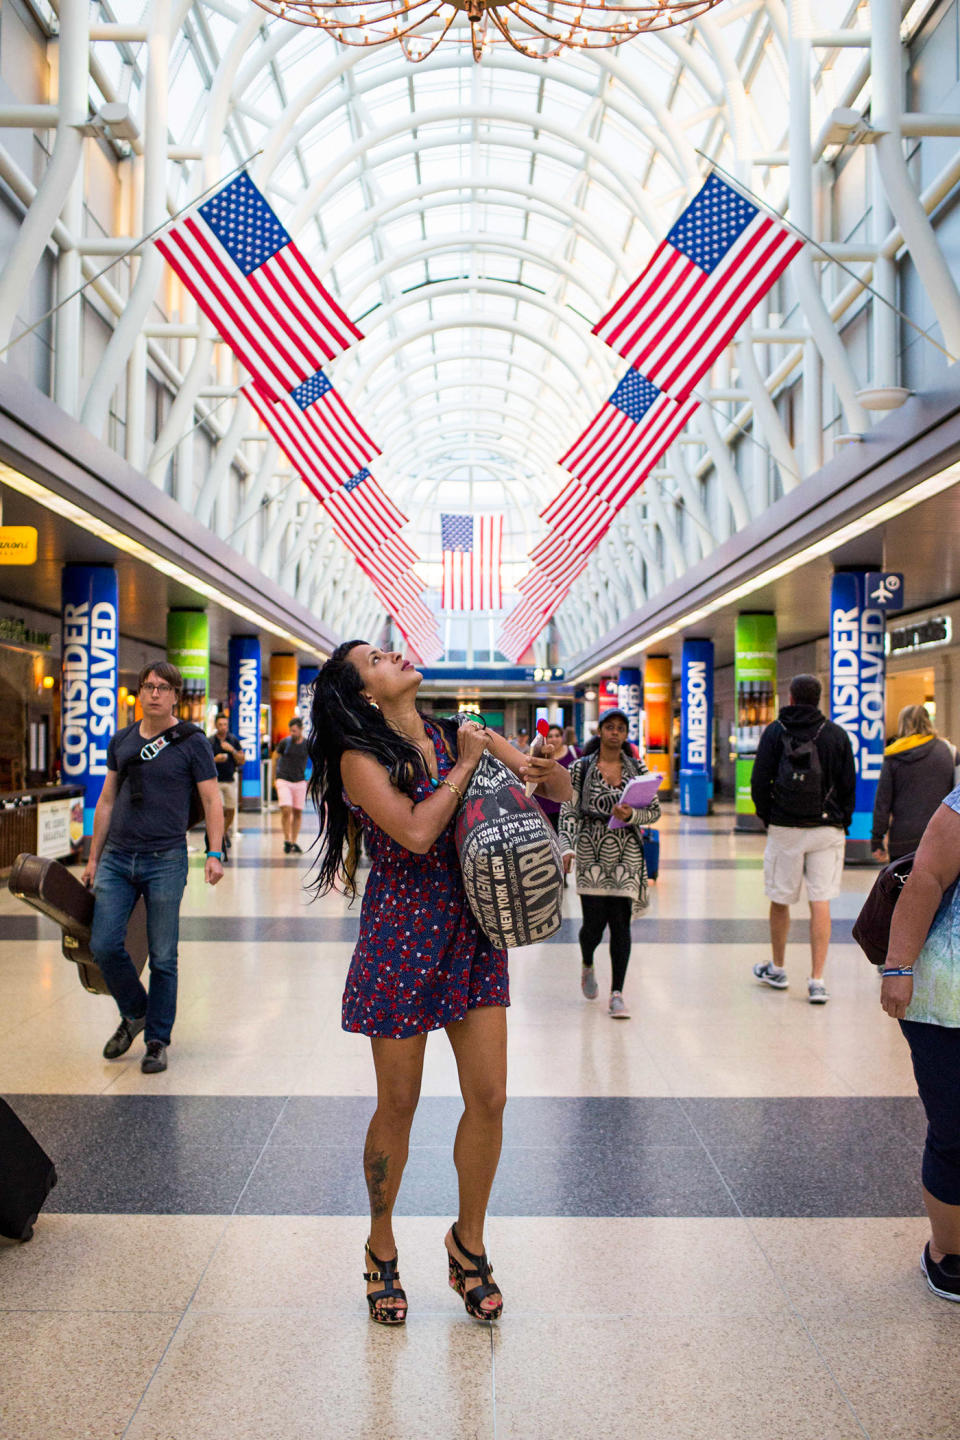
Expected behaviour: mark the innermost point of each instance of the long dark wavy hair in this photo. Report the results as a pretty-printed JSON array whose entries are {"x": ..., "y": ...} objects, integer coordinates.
[{"x": 342, "y": 718}]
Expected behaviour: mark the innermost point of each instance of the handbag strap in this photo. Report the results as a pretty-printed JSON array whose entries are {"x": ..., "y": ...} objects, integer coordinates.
[{"x": 130, "y": 769}]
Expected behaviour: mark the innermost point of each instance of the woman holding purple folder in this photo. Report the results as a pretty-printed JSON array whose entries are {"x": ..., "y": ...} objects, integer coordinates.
[{"x": 611, "y": 873}]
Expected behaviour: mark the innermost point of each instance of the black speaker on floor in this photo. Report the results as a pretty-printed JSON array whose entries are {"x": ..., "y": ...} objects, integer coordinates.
[{"x": 27, "y": 1176}]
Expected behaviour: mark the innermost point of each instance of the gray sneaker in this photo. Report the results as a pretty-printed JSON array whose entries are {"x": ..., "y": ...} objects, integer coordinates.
[
  {"x": 123, "y": 1037},
  {"x": 588, "y": 982},
  {"x": 155, "y": 1059},
  {"x": 618, "y": 1007},
  {"x": 770, "y": 975},
  {"x": 817, "y": 992}
]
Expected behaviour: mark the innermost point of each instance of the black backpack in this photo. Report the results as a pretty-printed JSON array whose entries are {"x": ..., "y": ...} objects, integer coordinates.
[
  {"x": 798, "y": 784},
  {"x": 130, "y": 769}
]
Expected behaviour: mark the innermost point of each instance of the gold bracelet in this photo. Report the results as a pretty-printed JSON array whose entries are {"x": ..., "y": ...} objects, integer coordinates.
[{"x": 456, "y": 790}]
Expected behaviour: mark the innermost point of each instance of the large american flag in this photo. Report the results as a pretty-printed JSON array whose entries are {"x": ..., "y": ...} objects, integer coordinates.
[
  {"x": 626, "y": 438},
  {"x": 471, "y": 561},
  {"x": 317, "y": 432},
  {"x": 249, "y": 278},
  {"x": 703, "y": 280},
  {"x": 521, "y": 628},
  {"x": 558, "y": 559},
  {"x": 419, "y": 628},
  {"x": 363, "y": 514}
]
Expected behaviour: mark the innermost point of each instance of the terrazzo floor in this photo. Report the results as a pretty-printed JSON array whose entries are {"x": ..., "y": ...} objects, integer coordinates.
[{"x": 706, "y": 1221}]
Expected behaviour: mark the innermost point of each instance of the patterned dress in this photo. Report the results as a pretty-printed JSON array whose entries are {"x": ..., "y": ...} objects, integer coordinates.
[
  {"x": 609, "y": 862},
  {"x": 422, "y": 961}
]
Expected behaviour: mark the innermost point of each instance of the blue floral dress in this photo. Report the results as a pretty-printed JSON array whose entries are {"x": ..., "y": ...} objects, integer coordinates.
[{"x": 422, "y": 961}]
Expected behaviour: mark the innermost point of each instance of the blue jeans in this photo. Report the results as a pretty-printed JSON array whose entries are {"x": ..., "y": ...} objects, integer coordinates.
[{"x": 121, "y": 878}]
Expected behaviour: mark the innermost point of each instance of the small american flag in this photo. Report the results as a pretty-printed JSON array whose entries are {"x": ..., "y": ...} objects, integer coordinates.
[
  {"x": 316, "y": 431},
  {"x": 716, "y": 264},
  {"x": 579, "y": 518},
  {"x": 364, "y": 515},
  {"x": 397, "y": 586},
  {"x": 521, "y": 628},
  {"x": 419, "y": 628},
  {"x": 249, "y": 278},
  {"x": 471, "y": 561},
  {"x": 541, "y": 588},
  {"x": 624, "y": 441}
]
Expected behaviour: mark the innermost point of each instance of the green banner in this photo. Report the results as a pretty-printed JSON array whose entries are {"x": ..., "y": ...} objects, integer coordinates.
[
  {"x": 188, "y": 647},
  {"x": 755, "y": 683}
]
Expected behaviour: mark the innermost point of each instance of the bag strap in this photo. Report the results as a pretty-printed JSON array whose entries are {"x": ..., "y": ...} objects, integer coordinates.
[{"x": 130, "y": 769}]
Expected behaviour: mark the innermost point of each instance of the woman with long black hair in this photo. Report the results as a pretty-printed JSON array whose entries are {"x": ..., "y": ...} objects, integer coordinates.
[{"x": 421, "y": 962}]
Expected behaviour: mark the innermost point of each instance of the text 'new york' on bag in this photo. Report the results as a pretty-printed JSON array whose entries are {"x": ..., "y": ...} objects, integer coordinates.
[{"x": 510, "y": 858}]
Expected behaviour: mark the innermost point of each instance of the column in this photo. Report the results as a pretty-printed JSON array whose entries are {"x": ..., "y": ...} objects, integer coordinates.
[
  {"x": 306, "y": 679},
  {"x": 755, "y": 690},
  {"x": 245, "y": 678},
  {"x": 630, "y": 701},
  {"x": 658, "y": 710},
  {"x": 188, "y": 647},
  {"x": 283, "y": 695},
  {"x": 696, "y": 727},
  {"x": 858, "y": 678},
  {"x": 89, "y": 672}
]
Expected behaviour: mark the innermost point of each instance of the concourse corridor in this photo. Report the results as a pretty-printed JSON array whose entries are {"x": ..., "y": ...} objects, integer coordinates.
[{"x": 706, "y": 1222}]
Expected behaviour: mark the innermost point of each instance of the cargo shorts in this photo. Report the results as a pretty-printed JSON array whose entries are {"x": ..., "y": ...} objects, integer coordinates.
[{"x": 814, "y": 854}]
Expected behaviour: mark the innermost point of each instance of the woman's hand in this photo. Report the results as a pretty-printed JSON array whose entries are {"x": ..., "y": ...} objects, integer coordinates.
[
  {"x": 623, "y": 812},
  {"x": 535, "y": 769},
  {"x": 471, "y": 743},
  {"x": 896, "y": 992}
]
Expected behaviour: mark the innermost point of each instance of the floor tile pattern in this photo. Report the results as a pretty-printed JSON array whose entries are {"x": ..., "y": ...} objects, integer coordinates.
[{"x": 706, "y": 1221}]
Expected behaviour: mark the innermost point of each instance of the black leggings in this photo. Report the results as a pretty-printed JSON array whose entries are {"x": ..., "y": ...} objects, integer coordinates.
[{"x": 599, "y": 911}]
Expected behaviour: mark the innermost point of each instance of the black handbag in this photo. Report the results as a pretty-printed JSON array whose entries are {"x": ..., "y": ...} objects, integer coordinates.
[{"x": 871, "y": 929}]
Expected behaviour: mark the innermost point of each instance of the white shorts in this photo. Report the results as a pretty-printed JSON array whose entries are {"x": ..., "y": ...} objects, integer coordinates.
[
  {"x": 228, "y": 793},
  {"x": 794, "y": 855},
  {"x": 292, "y": 794}
]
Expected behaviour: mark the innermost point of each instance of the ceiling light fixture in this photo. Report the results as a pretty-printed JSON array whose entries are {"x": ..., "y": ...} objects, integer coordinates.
[{"x": 535, "y": 28}]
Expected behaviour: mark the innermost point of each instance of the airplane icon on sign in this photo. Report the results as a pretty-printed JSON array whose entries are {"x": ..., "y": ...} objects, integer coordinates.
[{"x": 885, "y": 591}]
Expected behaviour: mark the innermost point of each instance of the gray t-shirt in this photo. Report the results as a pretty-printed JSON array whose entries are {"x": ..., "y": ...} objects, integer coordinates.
[
  {"x": 160, "y": 822},
  {"x": 292, "y": 757}
]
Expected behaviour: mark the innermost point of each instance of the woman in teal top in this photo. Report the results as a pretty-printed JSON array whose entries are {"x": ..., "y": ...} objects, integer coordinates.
[{"x": 921, "y": 989}]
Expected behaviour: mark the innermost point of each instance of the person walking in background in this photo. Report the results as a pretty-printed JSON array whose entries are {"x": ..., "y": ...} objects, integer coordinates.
[
  {"x": 611, "y": 872},
  {"x": 803, "y": 785},
  {"x": 570, "y": 740},
  {"x": 564, "y": 755},
  {"x": 291, "y": 756},
  {"x": 921, "y": 989},
  {"x": 421, "y": 962},
  {"x": 227, "y": 755},
  {"x": 139, "y": 847},
  {"x": 918, "y": 771}
]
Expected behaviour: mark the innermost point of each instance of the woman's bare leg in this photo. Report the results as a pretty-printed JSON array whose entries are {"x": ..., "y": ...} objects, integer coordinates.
[
  {"x": 399, "y": 1068},
  {"x": 479, "y": 1044}
]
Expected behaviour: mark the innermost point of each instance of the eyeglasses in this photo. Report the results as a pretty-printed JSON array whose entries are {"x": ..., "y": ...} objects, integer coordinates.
[{"x": 158, "y": 689}]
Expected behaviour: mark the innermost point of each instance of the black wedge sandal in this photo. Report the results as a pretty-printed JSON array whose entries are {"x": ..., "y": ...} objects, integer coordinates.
[
  {"x": 483, "y": 1271},
  {"x": 386, "y": 1270}
]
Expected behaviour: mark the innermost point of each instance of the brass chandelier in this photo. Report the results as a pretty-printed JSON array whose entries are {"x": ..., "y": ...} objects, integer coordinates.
[{"x": 535, "y": 28}]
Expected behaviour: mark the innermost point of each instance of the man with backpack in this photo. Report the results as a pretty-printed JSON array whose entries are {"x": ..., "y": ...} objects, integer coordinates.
[
  {"x": 803, "y": 785},
  {"x": 161, "y": 779}
]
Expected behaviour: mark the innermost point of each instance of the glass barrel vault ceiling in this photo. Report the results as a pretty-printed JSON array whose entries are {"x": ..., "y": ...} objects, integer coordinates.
[{"x": 477, "y": 219}]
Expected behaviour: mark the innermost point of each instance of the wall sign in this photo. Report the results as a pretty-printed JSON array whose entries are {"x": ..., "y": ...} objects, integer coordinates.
[
  {"x": 89, "y": 671},
  {"x": 630, "y": 700},
  {"x": 14, "y": 631},
  {"x": 53, "y": 829},
  {"x": 755, "y": 676},
  {"x": 858, "y": 686},
  {"x": 936, "y": 631},
  {"x": 18, "y": 545}
]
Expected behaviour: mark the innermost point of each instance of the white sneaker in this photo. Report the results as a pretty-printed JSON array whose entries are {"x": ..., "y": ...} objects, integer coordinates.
[
  {"x": 817, "y": 992},
  {"x": 618, "y": 1007},
  {"x": 770, "y": 975}
]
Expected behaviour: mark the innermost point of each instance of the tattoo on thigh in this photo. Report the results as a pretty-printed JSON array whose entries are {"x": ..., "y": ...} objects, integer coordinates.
[{"x": 376, "y": 1166}]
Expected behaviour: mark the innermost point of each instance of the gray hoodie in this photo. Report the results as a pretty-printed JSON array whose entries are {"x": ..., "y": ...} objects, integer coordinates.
[{"x": 917, "y": 773}]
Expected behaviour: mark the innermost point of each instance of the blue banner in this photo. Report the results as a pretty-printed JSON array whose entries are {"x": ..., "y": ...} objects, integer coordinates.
[
  {"x": 245, "y": 680},
  {"x": 89, "y": 673},
  {"x": 858, "y": 685},
  {"x": 630, "y": 699},
  {"x": 306, "y": 677},
  {"x": 696, "y": 707}
]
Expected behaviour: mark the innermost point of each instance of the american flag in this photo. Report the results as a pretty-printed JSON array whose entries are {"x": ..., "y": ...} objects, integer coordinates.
[
  {"x": 716, "y": 264},
  {"x": 419, "y": 628},
  {"x": 625, "y": 440},
  {"x": 471, "y": 561},
  {"x": 316, "y": 431},
  {"x": 540, "y": 587},
  {"x": 249, "y": 278},
  {"x": 554, "y": 556},
  {"x": 364, "y": 515},
  {"x": 397, "y": 586},
  {"x": 579, "y": 518},
  {"x": 521, "y": 628}
]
